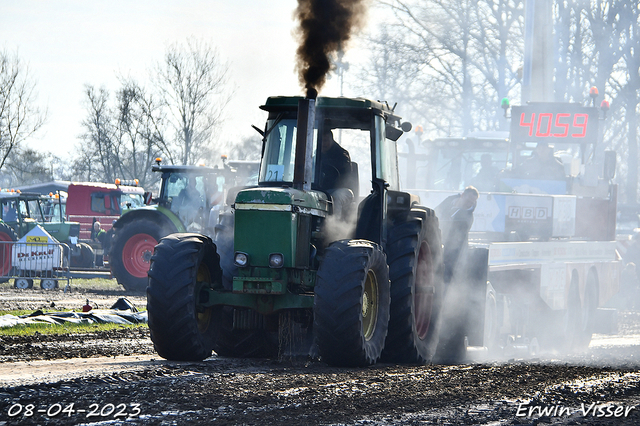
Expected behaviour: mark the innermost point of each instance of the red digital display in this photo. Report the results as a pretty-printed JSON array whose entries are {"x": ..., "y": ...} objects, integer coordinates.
[{"x": 560, "y": 122}]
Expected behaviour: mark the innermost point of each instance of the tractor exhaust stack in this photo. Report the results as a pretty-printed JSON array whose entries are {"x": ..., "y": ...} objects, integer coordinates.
[{"x": 302, "y": 173}]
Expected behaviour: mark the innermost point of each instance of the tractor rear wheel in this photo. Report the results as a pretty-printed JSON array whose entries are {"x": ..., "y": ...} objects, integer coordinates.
[
  {"x": 351, "y": 305},
  {"x": 182, "y": 268},
  {"x": 415, "y": 267},
  {"x": 131, "y": 252},
  {"x": 7, "y": 237}
]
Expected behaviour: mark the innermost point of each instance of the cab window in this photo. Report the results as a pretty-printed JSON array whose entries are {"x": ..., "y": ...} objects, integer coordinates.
[{"x": 97, "y": 202}]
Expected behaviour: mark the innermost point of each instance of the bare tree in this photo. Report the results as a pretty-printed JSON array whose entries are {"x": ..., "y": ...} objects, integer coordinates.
[
  {"x": 192, "y": 81},
  {"x": 249, "y": 148},
  {"x": 123, "y": 140},
  {"x": 28, "y": 166},
  {"x": 452, "y": 60},
  {"x": 598, "y": 46},
  {"x": 139, "y": 132},
  {"x": 97, "y": 158},
  {"x": 20, "y": 118}
]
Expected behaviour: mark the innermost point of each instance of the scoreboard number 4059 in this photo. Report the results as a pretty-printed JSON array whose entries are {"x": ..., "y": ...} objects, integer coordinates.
[{"x": 559, "y": 122}]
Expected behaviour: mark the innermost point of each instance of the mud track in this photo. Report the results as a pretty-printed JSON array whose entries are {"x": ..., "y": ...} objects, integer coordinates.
[{"x": 116, "y": 378}]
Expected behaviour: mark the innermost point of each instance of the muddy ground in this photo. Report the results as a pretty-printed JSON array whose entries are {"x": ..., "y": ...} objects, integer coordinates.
[{"x": 116, "y": 378}]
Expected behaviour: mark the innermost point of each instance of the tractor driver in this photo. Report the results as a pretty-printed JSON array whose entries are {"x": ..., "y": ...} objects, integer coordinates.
[
  {"x": 336, "y": 167},
  {"x": 541, "y": 165}
]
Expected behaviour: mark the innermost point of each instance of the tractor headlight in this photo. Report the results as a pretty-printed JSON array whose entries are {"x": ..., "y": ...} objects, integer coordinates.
[
  {"x": 241, "y": 259},
  {"x": 276, "y": 260}
]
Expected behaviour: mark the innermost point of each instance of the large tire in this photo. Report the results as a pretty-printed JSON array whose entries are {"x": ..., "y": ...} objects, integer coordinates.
[
  {"x": 351, "y": 305},
  {"x": 131, "y": 252},
  {"x": 7, "y": 236},
  {"x": 414, "y": 254},
  {"x": 86, "y": 257},
  {"x": 182, "y": 265}
]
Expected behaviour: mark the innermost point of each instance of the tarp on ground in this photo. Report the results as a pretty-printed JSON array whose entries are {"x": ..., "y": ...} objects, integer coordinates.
[{"x": 128, "y": 315}]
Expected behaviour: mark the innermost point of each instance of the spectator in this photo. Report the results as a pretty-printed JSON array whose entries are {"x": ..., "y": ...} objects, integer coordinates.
[
  {"x": 98, "y": 233},
  {"x": 456, "y": 217}
]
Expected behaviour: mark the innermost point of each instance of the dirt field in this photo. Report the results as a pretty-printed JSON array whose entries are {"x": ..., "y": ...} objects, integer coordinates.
[{"x": 116, "y": 378}]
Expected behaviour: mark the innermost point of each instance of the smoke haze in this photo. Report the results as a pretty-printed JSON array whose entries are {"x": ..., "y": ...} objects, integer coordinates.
[{"x": 325, "y": 27}]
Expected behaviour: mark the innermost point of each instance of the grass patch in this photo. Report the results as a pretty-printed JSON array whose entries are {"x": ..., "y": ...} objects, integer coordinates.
[
  {"x": 97, "y": 284},
  {"x": 19, "y": 312},
  {"x": 66, "y": 328}
]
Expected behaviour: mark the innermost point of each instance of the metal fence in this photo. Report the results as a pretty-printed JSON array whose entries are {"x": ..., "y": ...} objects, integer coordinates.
[{"x": 45, "y": 263}]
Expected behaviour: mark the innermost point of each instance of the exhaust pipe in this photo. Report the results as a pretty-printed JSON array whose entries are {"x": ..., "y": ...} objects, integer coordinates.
[{"x": 302, "y": 172}]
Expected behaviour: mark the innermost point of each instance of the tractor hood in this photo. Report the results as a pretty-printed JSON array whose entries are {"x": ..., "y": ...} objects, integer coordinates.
[{"x": 315, "y": 202}]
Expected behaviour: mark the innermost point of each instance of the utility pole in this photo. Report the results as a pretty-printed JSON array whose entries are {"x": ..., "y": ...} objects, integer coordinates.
[
  {"x": 341, "y": 67},
  {"x": 537, "y": 73}
]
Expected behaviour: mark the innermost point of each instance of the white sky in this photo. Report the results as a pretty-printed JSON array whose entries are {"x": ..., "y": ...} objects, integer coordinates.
[{"x": 70, "y": 43}]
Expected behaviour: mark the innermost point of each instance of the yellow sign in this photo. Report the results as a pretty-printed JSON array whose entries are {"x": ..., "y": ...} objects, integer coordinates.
[{"x": 37, "y": 239}]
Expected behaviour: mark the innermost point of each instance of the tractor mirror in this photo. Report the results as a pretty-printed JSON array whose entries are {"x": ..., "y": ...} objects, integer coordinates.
[
  {"x": 393, "y": 133},
  {"x": 609, "y": 164},
  {"x": 406, "y": 126}
]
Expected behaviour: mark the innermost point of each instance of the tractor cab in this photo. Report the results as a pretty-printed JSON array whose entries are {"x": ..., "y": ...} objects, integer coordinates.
[
  {"x": 23, "y": 211},
  {"x": 189, "y": 192},
  {"x": 352, "y": 151}
]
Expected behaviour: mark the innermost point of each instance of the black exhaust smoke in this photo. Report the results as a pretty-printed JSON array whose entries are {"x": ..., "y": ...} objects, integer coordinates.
[{"x": 325, "y": 27}]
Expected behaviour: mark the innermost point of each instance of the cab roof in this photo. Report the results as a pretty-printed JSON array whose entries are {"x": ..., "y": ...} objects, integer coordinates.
[
  {"x": 200, "y": 170},
  {"x": 281, "y": 103}
]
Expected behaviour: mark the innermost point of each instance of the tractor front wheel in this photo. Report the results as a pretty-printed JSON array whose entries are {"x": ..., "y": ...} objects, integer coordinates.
[
  {"x": 351, "y": 305},
  {"x": 131, "y": 252},
  {"x": 182, "y": 268},
  {"x": 85, "y": 259}
]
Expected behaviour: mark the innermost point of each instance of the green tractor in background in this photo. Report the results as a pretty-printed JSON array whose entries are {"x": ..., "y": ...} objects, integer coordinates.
[
  {"x": 294, "y": 266},
  {"x": 19, "y": 214},
  {"x": 190, "y": 200}
]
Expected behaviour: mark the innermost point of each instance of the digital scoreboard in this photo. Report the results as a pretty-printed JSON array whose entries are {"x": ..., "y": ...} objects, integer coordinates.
[{"x": 554, "y": 123}]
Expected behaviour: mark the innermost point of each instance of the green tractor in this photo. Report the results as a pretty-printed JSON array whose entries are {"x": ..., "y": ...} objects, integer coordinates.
[
  {"x": 300, "y": 266},
  {"x": 190, "y": 200},
  {"x": 19, "y": 214}
]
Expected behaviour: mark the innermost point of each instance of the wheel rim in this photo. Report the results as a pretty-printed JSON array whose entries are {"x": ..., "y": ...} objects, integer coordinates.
[
  {"x": 48, "y": 284},
  {"x": 423, "y": 296},
  {"x": 370, "y": 305},
  {"x": 203, "y": 315},
  {"x": 5, "y": 253},
  {"x": 22, "y": 283},
  {"x": 136, "y": 254}
]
